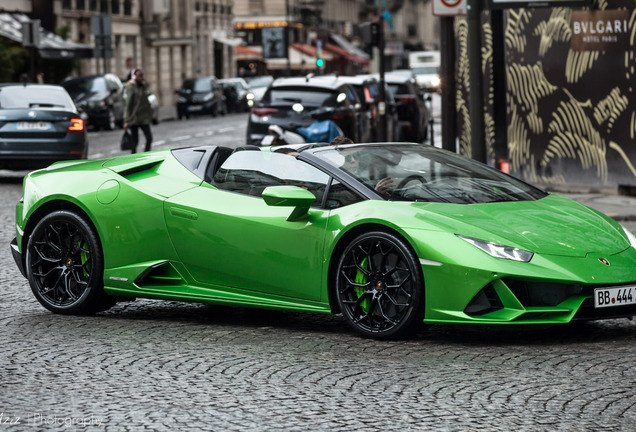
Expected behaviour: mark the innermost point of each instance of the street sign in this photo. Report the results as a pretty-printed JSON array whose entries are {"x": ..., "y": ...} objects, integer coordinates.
[
  {"x": 101, "y": 27},
  {"x": 31, "y": 33},
  {"x": 449, "y": 7},
  {"x": 511, "y": 4}
]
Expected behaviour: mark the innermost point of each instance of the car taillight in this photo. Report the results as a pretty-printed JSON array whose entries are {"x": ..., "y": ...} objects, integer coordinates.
[
  {"x": 261, "y": 112},
  {"x": 342, "y": 115},
  {"x": 406, "y": 98},
  {"x": 77, "y": 124}
]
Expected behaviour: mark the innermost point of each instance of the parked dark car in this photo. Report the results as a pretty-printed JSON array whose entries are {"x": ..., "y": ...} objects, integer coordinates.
[
  {"x": 39, "y": 125},
  {"x": 200, "y": 96},
  {"x": 298, "y": 102},
  {"x": 241, "y": 90},
  {"x": 367, "y": 88},
  {"x": 413, "y": 113},
  {"x": 99, "y": 98}
]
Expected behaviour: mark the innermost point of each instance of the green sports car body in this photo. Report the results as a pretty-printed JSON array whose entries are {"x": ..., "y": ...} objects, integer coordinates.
[{"x": 389, "y": 235}]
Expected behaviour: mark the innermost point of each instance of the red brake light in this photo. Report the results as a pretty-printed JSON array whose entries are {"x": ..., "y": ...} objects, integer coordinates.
[
  {"x": 406, "y": 98},
  {"x": 342, "y": 115},
  {"x": 77, "y": 124},
  {"x": 260, "y": 112}
]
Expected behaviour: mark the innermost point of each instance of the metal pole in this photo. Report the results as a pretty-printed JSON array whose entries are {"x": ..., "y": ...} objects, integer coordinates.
[
  {"x": 447, "y": 74},
  {"x": 382, "y": 135},
  {"x": 476, "y": 82}
]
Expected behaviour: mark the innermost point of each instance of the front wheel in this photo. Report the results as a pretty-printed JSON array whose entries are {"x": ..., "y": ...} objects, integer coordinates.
[
  {"x": 65, "y": 265},
  {"x": 379, "y": 286}
]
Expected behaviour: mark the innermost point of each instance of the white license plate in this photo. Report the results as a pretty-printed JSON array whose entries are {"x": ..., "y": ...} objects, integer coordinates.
[
  {"x": 608, "y": 297},
  {"x": 195, "y": 108},
  {"x": 37, "y": 125}
]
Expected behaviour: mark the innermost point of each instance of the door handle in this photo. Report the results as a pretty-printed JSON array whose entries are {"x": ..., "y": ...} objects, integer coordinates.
[{"x": 186, "y": 214}]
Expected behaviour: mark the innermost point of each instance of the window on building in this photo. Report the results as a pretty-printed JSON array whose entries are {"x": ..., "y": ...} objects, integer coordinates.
[
  {"x": 80, "y": 4},
  {"x": 115, "y": 7},
  {"x": 127, "y": 7},
  {"x": 92, "y": 5},
  {"x": 103, "y": 6},
  {"x": 66, "y": 4},
  {"x": 412, "y": 30}
]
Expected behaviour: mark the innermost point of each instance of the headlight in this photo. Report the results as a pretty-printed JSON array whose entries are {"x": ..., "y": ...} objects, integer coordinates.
[
  {"x": 499, "y": 251},
  {"x": 208, "y": 97},
  {"x": 435, "y": 82},
  {"x": 249, "y": 96},
  {"x": 630, "y": 237},
  {"x": 96, "y": 104},
  {"x": 181, "y": 99}
]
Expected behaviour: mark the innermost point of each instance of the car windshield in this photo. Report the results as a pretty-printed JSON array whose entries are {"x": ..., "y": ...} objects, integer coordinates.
[
  {"x": 199, "y": 85},
  {"x": 35, "y": 97},
  {"x": 76, "y": 87},
  {"x": 425, "y": 70},
  {"x": 307, "y": 96},
  {"x": 426, "y": 174},
  {"x": 263, "y": 81}
]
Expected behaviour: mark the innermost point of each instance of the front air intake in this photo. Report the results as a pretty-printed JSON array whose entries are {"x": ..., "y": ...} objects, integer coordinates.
[{"x": 485, "y": 301}]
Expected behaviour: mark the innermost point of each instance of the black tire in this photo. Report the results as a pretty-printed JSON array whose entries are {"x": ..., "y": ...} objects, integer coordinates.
[
  {"x": 65, "y": 266},
  {"x": 379, "y": 286}
]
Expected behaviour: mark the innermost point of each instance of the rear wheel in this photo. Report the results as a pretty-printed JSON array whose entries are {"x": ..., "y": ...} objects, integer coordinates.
[
  {"x": 65, "y": 265},
  {"x": 379, "y": 286}
]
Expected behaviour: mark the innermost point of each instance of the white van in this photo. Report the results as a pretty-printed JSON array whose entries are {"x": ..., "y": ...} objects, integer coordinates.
[{"x": 423, "y": 57}]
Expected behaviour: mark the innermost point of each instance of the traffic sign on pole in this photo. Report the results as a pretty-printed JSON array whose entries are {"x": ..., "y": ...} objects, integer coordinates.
[{"x": 449, "y": 7}]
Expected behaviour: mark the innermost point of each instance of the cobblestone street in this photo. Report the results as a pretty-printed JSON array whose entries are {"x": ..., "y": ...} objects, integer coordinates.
[{"x": 151, "y": 365}]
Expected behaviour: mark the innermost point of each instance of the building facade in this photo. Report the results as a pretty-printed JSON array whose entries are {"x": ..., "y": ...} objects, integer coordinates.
[{"x": 170, "y": 39}]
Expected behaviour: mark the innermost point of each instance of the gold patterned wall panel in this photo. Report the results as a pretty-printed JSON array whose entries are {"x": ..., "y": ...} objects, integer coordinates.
[{"x": 571, "y": 111}]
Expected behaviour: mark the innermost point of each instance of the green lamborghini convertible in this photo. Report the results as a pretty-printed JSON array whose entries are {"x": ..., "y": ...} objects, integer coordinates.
[{"x": 388, "y": 235}]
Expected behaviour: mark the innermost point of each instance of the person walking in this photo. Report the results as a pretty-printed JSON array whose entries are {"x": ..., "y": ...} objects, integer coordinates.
[{"x": 138, "y": 112}]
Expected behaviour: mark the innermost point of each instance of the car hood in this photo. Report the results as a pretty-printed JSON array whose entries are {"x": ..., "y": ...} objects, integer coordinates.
[
  {"x": 89, "y": 97},
  {"x": 553, "y": 225}
]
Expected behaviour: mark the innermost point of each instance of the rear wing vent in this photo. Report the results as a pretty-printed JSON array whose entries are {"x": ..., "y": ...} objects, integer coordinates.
[
  {"x": 160, "y": 275},
  {"x": 131, "y": 172}
]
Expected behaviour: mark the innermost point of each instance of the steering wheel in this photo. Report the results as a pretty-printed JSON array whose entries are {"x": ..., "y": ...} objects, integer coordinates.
[{"x": 409, "y": 179}]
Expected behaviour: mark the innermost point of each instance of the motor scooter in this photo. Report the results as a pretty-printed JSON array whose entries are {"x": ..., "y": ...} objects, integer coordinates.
[{"x": 319, "y": 131}]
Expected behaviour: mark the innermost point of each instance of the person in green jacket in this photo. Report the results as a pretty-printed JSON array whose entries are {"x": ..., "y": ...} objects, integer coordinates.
[{"x": 138, "y": 112}]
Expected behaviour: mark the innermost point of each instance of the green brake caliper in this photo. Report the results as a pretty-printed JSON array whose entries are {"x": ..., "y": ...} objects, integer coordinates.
[
  {"x": 362, "y": 279},
  {"x": 84, "y": 258}
]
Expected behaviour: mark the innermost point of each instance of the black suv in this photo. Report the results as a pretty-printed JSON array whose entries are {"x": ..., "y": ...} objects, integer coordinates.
[
  {"x": 298, "y": 102},
  {"x": 413, "y": 113},
  {"x": 368, "y": 89},
  {"x": 200, "y": 96},
  {"x": 99, "y": 98}
]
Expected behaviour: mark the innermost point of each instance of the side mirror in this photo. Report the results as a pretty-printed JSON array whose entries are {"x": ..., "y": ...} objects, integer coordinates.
[{"x": 289, "y": 196}]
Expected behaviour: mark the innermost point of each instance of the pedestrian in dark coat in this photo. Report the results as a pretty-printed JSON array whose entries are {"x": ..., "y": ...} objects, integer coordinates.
[{"x": 138, "y": 112}]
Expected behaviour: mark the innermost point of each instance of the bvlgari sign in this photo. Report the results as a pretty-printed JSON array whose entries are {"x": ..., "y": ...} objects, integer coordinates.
[{"x": 600, "y": 30}]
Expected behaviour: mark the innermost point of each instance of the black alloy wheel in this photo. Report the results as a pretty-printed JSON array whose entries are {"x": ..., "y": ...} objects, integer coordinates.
[
  {"x": 65, "y": 265},
  {"x": 379, "y": 286}
]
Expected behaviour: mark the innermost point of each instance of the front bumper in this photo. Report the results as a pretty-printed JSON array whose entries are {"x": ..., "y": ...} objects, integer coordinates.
[{"x": 17, "y": 256}]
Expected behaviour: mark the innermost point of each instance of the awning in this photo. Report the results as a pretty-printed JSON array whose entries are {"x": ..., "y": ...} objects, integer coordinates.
[
  {"x": 301, "y": 57},
  {"x": 343, "y": 43},
  {"x": 228, "y": 41},
  {"x": 345, "y": 54},
  {"x": 51, "y": 45},
  {"x": 247, "y": 53}
]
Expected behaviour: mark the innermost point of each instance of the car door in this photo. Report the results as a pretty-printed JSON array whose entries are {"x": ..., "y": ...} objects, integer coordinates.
[{"x": 226, "y": 235}]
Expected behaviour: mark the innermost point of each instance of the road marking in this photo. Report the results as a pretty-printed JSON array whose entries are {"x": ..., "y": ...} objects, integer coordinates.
[
  {"x": 181, "y": 138},
  {"x": 160, "y": 142},
  {"x": 227, "y": 129},
  {"x": 199, "y": 134},
  {"x": 97, "y": 156}
]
